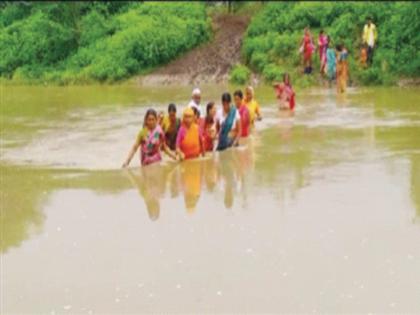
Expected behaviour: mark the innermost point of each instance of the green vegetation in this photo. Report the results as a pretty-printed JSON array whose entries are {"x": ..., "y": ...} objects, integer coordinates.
[
  {"x": 239, "y": 74},
  {"x": 77, "y": 42},
  {"x": 273, "y": 38}
]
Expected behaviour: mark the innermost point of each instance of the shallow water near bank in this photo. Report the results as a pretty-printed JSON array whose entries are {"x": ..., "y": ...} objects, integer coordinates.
[{"x": 317, "y": 212}]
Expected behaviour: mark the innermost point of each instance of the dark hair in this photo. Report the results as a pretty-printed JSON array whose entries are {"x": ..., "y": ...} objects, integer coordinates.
[
  {"x": 171, "y": 108},
  {"x": 286, "y": 74},
  {"x": 209, "y": 107},
  {"x": 321, "y": 32},
  {"x": 226, "y": 97},
  {"x": 239, "y": 94},
  {"x": 339, "y": 47},
  {"x": 196, "y": 112},
  {"x": 149, "y": 112}
]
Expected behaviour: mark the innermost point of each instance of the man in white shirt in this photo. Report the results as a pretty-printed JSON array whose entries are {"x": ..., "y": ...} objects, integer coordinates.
[{"x": 195, "y": 100}]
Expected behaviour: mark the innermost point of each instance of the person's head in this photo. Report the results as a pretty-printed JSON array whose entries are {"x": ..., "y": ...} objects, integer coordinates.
[
  {"x": 196, "y": 95},
  {"x": 286, "y": 79},
  {"x": 339, "y": 47},
  {"x": 306, "y": 30},
  {"x": 210, "y": 110},
  {"x": 321, "y": 32},
  {"x": 172, "y": 111},
  {"x": 196, "y": 114},
  {"x": 226, "y": 100},
  {"x": 238, "y": 97},
  {"x": 188, "y": 117},
  {"x": 369, "y": 20},
  {"x": 249, "y": 93},
  {"x": 150, "y": 119}
]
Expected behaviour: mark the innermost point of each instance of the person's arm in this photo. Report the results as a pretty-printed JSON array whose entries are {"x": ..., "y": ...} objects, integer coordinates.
[
  {"x": 132, "y": 152},
  {"x": 168, "y": 151},
  {"x": 257, "y": 111},
  {"x": 239, "y": 131}
]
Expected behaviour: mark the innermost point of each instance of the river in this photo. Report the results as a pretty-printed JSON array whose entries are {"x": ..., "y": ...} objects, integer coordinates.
[{"x": 319, "y": 212}]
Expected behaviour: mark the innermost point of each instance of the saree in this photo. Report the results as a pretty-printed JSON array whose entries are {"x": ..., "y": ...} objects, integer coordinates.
[
  {"x": 171, "y": 131},
  {"x": 224, "y": 140},
  {"x": 286, "y": 96},
  {"x": 150, "y": 143},
  {"x": 322, "y": 44},
  {"x": 342, "y": 71},
  {"x": 188, "y": 140},
  {"x": 331, "y": 64}
]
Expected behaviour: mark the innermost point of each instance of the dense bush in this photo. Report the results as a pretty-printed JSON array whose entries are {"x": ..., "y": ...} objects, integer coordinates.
[
  {"x": 239, "y": 74},
  {"x": 105, "y": 41},
  {"x": 272, "y": 40}
]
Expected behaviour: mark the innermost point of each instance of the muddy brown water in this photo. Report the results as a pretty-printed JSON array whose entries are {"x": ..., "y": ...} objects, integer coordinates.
[{"x": 318, "y": 212}]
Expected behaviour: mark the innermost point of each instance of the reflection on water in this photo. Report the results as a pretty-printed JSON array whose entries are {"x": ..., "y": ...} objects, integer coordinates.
[{"x": 225, "y": 172}]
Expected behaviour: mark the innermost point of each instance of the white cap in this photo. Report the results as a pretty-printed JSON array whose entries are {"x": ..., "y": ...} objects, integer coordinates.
[{"x": 196, "y": 91}]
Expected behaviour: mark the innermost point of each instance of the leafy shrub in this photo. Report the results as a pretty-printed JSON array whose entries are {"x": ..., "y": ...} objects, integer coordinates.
[
  {"x": 35, "y": 41},
  {"x": 68, "y": 42},
  {"x": 239, "y": 74},
  {"x": 94, "y": 26},
  {"x": 272, "y": 72}
]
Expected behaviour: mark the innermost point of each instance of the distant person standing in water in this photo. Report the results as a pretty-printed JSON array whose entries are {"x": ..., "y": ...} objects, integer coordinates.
[
  {"x": 285, "y": 93},
  {"x": 342, "y": 68},
  {"x": 370, "y": 36},
  {"x": 331, "y": 61},
  {"x": 322, "y": 47},
  {"x": 195, "y": 100},
  {"x": 150, "y": 140},
  {"x": 307, "y": 48}
]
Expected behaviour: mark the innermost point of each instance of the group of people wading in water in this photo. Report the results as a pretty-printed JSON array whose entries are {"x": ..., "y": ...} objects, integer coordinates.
[
  {"x": 333, "y": 62},
  {"x": 198, "y": 133},
  {"x": 218, "y": 129}
]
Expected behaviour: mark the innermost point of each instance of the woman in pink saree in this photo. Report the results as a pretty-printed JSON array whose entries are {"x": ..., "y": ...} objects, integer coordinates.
[{"x": 322, "y": 46}]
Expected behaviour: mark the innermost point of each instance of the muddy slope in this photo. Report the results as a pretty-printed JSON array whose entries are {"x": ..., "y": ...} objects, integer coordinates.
[{"x": 209, "y": 62}]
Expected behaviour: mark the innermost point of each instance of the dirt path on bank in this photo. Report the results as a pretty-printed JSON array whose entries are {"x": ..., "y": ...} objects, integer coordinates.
[{"x": 209, "y": 62}]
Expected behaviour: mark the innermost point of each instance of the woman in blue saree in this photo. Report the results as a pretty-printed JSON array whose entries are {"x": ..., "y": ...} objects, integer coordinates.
[{"x": 228, "y": 124}]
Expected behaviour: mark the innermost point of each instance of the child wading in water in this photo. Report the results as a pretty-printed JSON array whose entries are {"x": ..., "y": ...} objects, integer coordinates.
[
  {"x": 151, "y": 140},
  {"x": 189, "y": 142},
  {"x": 285, "y": 93}
]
